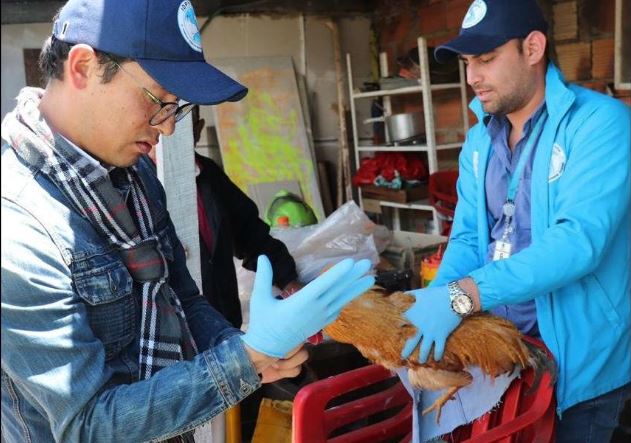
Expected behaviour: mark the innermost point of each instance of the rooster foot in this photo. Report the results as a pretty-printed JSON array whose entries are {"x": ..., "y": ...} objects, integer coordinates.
[{"x": 440, "y": 402}]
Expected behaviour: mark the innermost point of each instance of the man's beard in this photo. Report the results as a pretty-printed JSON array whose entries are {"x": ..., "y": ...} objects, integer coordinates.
[{"x": 508, "y": 104}]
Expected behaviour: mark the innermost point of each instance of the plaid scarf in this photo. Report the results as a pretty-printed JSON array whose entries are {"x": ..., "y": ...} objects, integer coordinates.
[{"x": 164, "y": 334}]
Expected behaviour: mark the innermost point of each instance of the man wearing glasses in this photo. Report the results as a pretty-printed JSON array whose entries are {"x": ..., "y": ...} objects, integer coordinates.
[{"x": 105, "y": 336}]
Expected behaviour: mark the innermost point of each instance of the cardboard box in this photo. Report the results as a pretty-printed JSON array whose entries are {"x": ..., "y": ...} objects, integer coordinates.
[
  {"x": 407, "y": 249},
  {"x": 405, "y": 195}
]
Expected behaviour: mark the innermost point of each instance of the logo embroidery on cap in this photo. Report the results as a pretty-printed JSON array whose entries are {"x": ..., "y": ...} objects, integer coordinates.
[
  {"x": 64, "y": 29},
  {"x": 188, "y": 25},
  {"x": 475, "y": 14},
  {"x": 557, "y": 163}
]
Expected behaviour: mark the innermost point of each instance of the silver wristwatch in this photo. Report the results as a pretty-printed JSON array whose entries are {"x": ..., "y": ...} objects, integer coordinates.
[{"x": 461, "y": 302}]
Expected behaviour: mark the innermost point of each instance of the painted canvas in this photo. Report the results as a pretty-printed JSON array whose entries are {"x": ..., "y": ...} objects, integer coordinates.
[{"x": 263, "y": 138}]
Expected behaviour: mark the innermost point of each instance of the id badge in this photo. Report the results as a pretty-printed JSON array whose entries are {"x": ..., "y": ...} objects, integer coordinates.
[{"x": 502, "y": 250}]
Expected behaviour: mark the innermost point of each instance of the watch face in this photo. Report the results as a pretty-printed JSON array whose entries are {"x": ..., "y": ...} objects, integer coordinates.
[{"x": 462, "y": 304}]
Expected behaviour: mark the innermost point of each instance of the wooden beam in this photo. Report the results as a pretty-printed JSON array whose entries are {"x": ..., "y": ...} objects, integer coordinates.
[
  {"x": 42, "y": 11},
  {"x": 205, "y": 8}
]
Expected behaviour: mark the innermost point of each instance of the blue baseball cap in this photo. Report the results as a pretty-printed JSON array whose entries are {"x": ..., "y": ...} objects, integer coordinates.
[
  {"x": 491, "y": 23},
  {"x": 161, "y": 35}
]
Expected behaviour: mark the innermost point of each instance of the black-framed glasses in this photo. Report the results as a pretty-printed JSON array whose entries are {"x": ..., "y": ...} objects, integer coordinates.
[{"x": 167, "y": 109}]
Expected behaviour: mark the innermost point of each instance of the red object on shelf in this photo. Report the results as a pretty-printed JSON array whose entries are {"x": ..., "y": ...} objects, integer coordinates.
[
  {"x": 519, "y": 418},
  {"x": 409, "y": 167},
  {"x": 443, "y": 196}
]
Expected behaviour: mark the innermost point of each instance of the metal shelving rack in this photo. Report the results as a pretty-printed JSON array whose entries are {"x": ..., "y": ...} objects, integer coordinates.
[{"x": 425, "y": 88}]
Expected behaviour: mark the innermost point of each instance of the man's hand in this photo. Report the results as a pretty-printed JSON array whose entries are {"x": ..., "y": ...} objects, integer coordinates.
[
  {"x": 434, "y": 319},
  {"x": 278, "y": 326},
  {"x": 287, "y": 367},
  {"x": 272, "y": 369},
  {"x": 291, "y": 288}
]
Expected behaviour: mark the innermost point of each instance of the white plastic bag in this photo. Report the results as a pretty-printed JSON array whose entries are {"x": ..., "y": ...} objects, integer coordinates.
[{"x": 346, "y": 233}]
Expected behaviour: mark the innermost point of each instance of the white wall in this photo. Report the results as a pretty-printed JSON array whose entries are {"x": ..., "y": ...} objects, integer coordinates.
[
  {"x": 307, "y": 40},
  {"x": 14, "y": 39}
]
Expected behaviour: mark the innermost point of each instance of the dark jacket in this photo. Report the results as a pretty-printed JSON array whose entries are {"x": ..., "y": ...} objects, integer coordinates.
[{"x": 237, "y": 231}]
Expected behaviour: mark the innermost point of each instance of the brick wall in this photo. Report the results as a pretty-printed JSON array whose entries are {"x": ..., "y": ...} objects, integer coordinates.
[
  {"x": 581, "y": 37},
  {"x": 398, "y": 24}
]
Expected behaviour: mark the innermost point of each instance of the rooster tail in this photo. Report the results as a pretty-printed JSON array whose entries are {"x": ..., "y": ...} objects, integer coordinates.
[{"x": 540, "y": 362}]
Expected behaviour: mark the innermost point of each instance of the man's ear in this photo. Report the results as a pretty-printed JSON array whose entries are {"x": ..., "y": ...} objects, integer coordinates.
[
  {"x": 534, "y": 47},
  {"x": 81, "y": 65}
]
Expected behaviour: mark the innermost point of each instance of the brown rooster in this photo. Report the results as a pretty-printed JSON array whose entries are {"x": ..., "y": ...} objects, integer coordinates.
[{"x": 374, "y": 323}]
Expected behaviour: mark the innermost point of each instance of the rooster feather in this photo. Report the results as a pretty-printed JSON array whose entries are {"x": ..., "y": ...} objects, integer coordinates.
[{"x": 375, "y": 324}]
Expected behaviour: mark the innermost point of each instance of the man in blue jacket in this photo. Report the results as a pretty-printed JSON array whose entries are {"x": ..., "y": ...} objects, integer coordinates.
[
  {"x": 105, "y": 336},
  {"x": 541, "y": 230}
]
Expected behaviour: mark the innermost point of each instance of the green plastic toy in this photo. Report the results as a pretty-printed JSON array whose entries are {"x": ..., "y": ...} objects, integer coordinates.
[{"x": 287, "y": 209}]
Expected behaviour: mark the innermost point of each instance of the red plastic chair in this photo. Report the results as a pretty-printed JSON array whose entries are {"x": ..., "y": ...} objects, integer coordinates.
[
  {"x": 314, "y": 422},
  {"x": 443, "y": 196},
  {"x": 519, "y": 418}
]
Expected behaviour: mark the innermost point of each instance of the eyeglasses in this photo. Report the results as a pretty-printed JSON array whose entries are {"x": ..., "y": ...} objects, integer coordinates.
[{"x": 167, "y": 109}]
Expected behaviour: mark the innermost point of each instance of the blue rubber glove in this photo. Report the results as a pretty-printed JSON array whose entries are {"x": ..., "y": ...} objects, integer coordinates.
[
  {"x": 434, "y": 319},
  {"x": 278, "y": 326}
]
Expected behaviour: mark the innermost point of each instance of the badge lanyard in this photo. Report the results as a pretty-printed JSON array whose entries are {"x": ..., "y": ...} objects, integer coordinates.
[{"x": 503, "y": 247}]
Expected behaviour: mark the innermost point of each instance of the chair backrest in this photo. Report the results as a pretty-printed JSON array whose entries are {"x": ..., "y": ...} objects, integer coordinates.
[
  {"x": 383, "y": 411},
  {"x": 521, "y": 417},
  {"x": 442, "y": 191},
  {"x": 443, "y": 197}
]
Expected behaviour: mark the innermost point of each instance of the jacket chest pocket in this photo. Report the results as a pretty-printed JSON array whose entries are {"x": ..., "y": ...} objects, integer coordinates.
[{"x": 107, "y": 290}]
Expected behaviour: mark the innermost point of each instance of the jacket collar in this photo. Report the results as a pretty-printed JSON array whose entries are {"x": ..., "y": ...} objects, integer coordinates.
[{"x": 558, "y": 97}]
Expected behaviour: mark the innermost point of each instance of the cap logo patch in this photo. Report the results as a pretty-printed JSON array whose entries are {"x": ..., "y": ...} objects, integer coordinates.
[
  {"x": 64, "y": 29},
  {"x": 188, "y": 25},
  {"x": 475, "y": 14}
]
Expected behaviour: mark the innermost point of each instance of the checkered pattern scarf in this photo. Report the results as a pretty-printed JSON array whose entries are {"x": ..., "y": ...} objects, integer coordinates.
[{"x": 164, "y": 334}]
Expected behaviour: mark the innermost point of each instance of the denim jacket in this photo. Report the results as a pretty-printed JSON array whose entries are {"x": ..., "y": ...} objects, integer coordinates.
[{"x": 70, "y": 328}]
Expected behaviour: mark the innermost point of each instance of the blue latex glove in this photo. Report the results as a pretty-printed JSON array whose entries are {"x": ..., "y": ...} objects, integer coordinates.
[
  {"x": 278, "y": 326},
  {"x": 434, "y": 319}
]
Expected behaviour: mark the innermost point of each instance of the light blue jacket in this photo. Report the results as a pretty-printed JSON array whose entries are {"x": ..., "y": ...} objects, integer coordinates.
[
  {"x": 577, "y": 266},
  {"x": 71, "y": 324}
]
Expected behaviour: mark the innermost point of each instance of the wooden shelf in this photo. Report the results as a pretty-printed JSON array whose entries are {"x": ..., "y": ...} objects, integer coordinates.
[
  {"x": 405, "y": 90},
  {"x": 418, "y": 205},
  {"x": 424, "y": 88},
  {"x": 421, "y": 205},
  {"x": 408, "y": 148}
]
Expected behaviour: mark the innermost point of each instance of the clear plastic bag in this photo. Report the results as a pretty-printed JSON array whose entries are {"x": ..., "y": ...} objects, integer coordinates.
[{"x": 346, "y": 233}]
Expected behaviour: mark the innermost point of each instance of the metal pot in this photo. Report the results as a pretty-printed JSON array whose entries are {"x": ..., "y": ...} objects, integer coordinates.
[{"x": 405, "y": 126}]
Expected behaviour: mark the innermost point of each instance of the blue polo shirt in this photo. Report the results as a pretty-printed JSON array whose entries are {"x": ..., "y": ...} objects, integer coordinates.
[{"x": 502, "y": 163}]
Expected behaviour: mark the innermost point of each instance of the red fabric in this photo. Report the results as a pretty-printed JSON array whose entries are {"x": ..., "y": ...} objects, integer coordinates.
[
  {"x": 205, "y": 230},
  {"x": 204, "y": 227},
  {"x": 409, "y": 167}
]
